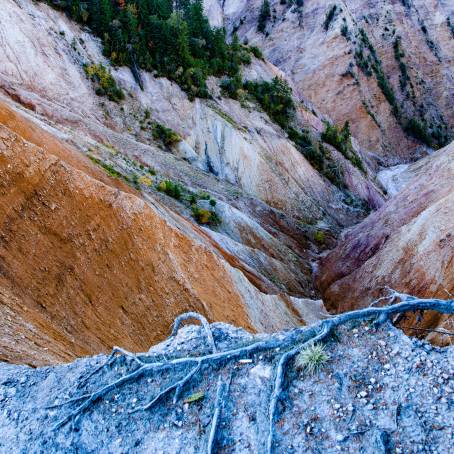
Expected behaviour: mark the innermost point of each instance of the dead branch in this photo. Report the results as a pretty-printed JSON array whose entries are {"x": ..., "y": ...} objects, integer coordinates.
[{"x": 217, "y": 413}]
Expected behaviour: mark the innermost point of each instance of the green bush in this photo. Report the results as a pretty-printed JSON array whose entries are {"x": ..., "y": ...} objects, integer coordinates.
[
  {"x": 107, "y": 167},
  {"x": 398, "y": 55},
  {"x": 256, "y": 52},
  {"x": 329, "y": 17},
  {"x": 340, "y": 138},
  {"x": 319, "y": 237},
  {"x": 418, "y": 129},
  {"x": 312, "y": 358},
  {"x": 264, "y": 16},
  {"x": 275, "y": 98},
  {"x": 204, "y": 216},
  {"x": 318, "y": 156},
  {"x": 345, "y": 32},
  {"x": 450, "y": 25},
  {"x": 170, "y": 188},
  {"x": 104, "y": 82},
  {"x": 165, "y": 135},
  {"x": 231, "y": 87}
]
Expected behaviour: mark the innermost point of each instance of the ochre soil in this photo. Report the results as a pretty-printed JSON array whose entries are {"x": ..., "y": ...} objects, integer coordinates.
[{"x": 85, "y": 264}]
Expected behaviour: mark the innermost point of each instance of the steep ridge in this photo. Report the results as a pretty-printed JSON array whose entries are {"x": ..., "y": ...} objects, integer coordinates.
[
  {"x": 85, "y": 265},
  {"x": 377, "y": 64},
  {"x": 408, "y": 244}
]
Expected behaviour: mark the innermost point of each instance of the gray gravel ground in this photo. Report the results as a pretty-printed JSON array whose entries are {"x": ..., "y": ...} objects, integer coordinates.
[{"x": 380, "y": 392}]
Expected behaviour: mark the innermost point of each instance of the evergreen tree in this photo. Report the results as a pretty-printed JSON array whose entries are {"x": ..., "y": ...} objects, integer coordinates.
[
  {"x": 264, "y": 16},
  {"x": 172, "y": 37}
]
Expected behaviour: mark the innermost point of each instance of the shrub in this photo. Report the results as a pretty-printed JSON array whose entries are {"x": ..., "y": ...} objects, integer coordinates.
[
  {"x": 450, "y": 25},
  {"x": 398, "y": 55},
  {"x": 256, "y": 52},
  {"x": 170, "y": 188},
  {"x": 329, "y": 17},
  {"x": 264, "y": 16},
  {"x": 104, "y": 82},
  {"x": 311, "y": 359},
  {"x": 204, "y": 216},
  {"x": 230, "y": 87},
  {"x": 145, "y": 181},
  {"x": 107, "y": 167},
  {"x": 344, "y": 31},
  {"x": 275, "y": 98},
  {"x": 418, "y": 129},
  {"x": 340, "y": 138},
  {"x": 318, "y": 156},
  {"x": 362, "y": 62},
  {"x": 319, "y": 237},
  {"x": 167, "y": 136},
  {"x": 202, "y": 195}
]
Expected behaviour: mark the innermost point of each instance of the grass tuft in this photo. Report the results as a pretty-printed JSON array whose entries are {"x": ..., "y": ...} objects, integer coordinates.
[{"x": 311, "y": 359}]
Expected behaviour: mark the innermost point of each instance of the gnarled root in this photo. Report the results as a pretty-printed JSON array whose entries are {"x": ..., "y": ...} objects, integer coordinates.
[{"x": 204, "y": 322}]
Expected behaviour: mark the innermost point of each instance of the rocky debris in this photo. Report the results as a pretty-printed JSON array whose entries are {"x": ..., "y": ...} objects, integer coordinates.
[{"x": 379, "y": 391}]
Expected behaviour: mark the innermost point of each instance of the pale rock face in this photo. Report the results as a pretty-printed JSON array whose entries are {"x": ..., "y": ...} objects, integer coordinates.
[
  {"x": 321, "y": 63},
  {"x": 213, "y": 11},
  {"x": 33, "y": 61},
  {"x": 393, "y": 178}
]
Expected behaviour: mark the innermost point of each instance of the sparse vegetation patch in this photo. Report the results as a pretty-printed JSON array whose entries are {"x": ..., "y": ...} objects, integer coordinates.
[
  {"x": 275, "y": 98},
  {"x": 104, "y": 82},
  {"x": 172, "y": 38},
  {"x": 330, "y": 15},
  {"x": 311, "y": 359},
  {"x": 340, "y": 138}
]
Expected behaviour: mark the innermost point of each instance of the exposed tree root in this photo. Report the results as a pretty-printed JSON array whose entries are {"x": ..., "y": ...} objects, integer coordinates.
[
  {"x": 216, "y": 415},
  {"x": 284, "y": 347},
  {"x": 204, "y": 322}
]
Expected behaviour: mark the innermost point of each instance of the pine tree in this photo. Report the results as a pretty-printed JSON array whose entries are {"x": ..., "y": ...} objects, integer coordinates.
[
  {"x": 106, "y": 15},
  {"x": 172, "y": 37},
  {"x": 265, "y": 15}
]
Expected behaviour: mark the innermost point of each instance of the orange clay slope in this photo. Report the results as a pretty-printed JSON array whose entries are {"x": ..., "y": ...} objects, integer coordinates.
[{"x": 85, "y": 264}]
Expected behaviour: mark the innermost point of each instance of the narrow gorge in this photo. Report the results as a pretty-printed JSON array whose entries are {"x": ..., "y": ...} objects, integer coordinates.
[{"x": 282, "y": 170}]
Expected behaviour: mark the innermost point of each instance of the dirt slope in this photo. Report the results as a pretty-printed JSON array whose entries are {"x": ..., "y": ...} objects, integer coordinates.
[
  {"x": 85, "y": 265},
  {"x": 319, "y": 56}
]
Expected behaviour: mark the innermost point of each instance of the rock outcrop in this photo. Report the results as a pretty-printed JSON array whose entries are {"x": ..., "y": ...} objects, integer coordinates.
[{"x": 379, "y": 391}]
